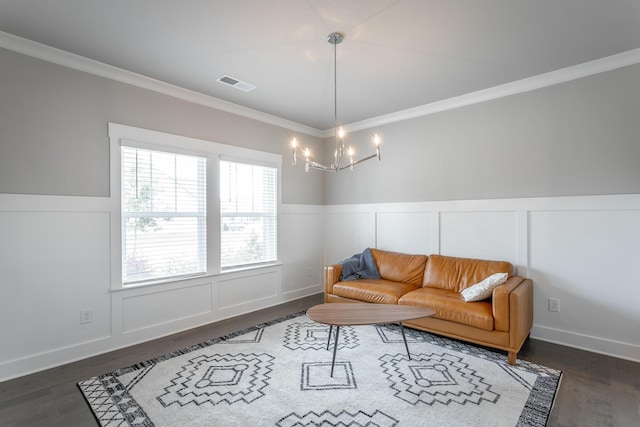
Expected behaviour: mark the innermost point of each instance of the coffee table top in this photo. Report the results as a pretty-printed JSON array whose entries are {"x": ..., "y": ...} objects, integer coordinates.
[{"x": 351, "y": 314}]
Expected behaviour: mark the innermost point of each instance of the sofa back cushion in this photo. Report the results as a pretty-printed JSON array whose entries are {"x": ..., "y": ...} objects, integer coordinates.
[
  {"x": 456, "y": 274},
  {"x": 400, "y": 267}
]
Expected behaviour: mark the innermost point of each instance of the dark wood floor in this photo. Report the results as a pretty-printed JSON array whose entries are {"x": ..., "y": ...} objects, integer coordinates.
[{"x": 596, "y": 390}]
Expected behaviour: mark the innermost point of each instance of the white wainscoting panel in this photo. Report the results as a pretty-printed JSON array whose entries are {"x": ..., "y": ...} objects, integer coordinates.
[
  {"x": 589, "y": 261},
  {"x": 247, "y": 288},
  {"x": 406, "y": 232},
  {"x": 302, "y": 234},
  {"x": 479, "y": 234},
  {"x": 348, "y": 233},
  {"x": 154, "y": 307},
  {"x": 52, "y": 265},
  {"x": 55, "y": 261}
]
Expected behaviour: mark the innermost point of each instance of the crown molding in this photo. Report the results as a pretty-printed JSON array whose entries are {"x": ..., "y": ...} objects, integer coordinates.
[
  {"x": 540, "y": 81},
  {"x": 80, "y": 63}
]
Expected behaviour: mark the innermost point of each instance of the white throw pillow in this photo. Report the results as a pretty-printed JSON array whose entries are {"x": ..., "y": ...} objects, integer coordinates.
[{"x": 484, "y": 289}]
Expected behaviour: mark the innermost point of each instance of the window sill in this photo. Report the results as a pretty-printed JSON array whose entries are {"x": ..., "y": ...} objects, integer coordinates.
[{"x": 248, "y": 267}]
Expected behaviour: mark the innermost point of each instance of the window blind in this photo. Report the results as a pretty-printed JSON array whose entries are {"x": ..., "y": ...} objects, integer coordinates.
[
  {"x": 248, "y": 214},
  {"x": 163, "y": 214}
]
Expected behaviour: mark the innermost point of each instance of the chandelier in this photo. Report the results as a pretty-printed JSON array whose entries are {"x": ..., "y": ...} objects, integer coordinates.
[{"x": 334, "y": 39}]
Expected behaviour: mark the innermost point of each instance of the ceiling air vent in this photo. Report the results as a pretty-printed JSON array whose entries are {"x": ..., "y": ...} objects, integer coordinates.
[{"x": 238, "y": 84}]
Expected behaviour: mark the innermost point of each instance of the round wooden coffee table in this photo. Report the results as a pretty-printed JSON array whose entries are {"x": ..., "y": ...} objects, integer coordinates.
[{"x": 353, "y": 314}]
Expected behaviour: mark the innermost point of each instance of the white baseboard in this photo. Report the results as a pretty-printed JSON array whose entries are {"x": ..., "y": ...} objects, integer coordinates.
[
  {"x": 50, "y": 359},
  {"x": 598, "y": 345}
]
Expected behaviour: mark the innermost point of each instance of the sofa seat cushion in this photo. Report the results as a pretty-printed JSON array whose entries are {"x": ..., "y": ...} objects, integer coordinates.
[
  {"x": 370, "y": 290},
  {"x": 451, "y": 306}
]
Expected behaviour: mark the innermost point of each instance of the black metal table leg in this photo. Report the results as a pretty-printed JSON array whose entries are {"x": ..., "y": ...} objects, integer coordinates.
[
  {"x": 329, "y": 337},
  {"x": 335, "y": 347},
  {"x": 405, "y": 340}
]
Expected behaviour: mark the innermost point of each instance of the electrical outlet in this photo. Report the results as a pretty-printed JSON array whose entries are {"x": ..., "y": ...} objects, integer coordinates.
[
  {"x": 86, "y": 315},
  {"x": 554, "y": 305}
]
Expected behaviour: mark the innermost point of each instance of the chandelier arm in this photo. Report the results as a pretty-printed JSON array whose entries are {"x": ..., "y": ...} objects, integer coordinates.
[
  {"x": 318, "y": 166},
  {"x": 311, "y": 163},
  {"x": 373, "y": 156}
]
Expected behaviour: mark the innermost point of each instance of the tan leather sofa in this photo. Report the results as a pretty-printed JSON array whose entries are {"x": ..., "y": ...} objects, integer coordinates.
[{"x": 502, "y": 321}]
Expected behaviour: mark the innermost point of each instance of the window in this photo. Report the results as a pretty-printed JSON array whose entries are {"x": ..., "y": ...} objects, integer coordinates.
[
  {"x": 183, "y": 209},
  {"x": 248, "y": 214},
  {"x": 163, "y": 214}
]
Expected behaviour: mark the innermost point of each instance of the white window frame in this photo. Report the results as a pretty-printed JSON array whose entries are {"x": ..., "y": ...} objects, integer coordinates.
[{"x": 120, "y": 135}]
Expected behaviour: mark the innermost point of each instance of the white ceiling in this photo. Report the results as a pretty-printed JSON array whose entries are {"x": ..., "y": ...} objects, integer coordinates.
[{"x": 397, "y": 54}]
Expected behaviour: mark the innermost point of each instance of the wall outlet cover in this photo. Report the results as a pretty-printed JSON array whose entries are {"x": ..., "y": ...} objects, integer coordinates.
[{"x": 86, "y": 315}]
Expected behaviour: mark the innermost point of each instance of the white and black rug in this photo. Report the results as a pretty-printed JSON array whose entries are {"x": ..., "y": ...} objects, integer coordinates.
[{"x": 278, "y": 374}]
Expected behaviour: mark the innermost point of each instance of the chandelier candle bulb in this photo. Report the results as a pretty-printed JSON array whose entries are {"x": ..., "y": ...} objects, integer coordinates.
[
  {"x": 376, "y": 140},
  {"x": 351, "y": 157},
  {"x": 294, "y": 145}
]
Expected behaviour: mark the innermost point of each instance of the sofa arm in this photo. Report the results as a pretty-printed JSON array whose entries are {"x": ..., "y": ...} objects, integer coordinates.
[
  {"x": 332, "y": 275},
  {"x": 521, "y": 315},
  {"x": 500, "y": 302}
]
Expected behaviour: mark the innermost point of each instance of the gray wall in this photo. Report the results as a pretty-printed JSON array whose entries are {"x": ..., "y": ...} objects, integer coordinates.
[
  {"x": 53, "y": 130},
  {"x": 576, "y": 138}
]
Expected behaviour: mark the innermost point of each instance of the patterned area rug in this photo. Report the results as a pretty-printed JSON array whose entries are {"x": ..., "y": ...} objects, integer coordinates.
[{"x": 278, "y": 374}]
